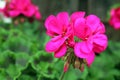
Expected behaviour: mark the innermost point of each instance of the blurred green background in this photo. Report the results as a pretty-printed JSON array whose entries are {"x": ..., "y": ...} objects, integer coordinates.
[{"x": 22, "y": 54}]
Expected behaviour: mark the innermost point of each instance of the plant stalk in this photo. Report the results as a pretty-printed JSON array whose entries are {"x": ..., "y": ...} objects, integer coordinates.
[{"x": 62, "y": 75}]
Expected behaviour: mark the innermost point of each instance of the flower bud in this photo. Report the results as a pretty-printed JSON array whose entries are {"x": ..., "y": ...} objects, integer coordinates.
[
  {"x": 16, "y": 22},
  {"x": 22, "y": 20},
  {"x": 81, "y": 67},
  {"x": 84, "y": 60},
  {"x": 77, "y": 63},
  {"x": 66, "y": 66}
]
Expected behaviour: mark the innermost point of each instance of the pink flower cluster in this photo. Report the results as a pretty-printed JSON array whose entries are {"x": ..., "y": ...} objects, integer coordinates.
[
  {"x": 89, "y": 31},
  {"x": 114, "y": 20},
  {"x": 16, "y": 8}
]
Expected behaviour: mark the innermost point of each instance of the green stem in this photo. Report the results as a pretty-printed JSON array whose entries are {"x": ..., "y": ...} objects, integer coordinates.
[
  {"x": 11, "y": 25},
  {"x": 62, "y": 75}
]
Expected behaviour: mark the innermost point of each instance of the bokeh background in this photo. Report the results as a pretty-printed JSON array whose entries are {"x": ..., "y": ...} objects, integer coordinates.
[{"x": 22, "y": 54}]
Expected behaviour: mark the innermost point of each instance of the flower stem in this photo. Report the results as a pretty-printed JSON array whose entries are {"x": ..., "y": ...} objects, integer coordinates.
[{"x": 62, "y": 75}]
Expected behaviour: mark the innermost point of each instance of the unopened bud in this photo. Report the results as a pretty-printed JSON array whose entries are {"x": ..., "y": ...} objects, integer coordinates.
[
  {"x": 63, "y": 58},
  {"x": 22, "y": 20},
  {"x": 84, "y": 60},
  {"x": 88, "y": 65},
  {"x": 81, "y": 67},
  {"x": 77, "y": 63},
  {"x": 66, "y": 66},
  {"x": 16, "y": 22}
]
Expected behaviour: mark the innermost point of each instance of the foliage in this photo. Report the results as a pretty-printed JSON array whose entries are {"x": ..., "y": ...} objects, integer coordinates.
[{"x": 22, "y": 57}]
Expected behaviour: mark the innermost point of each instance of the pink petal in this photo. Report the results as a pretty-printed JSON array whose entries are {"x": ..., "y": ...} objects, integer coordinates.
[
  {"x": 11, "y": 6},
  {"x": 117, "y": 25},
  {"x": 100, "y": 28},
  {"x": 69, "y": 31},
  {"x": 115, "y": 22},
  {"x": 93, "y": 21},
  {"x": 55, "y": 43},
  {"x": 82, "y": 49},
  {"x": 13, "y": 2},
  {"x": 1, "y": 10},
  {"x": 61, "y": 51},
  {"x": 86, "y": 47},
  {"x": 112, "y": 21},
  {"x": 112, "y": 12},
  {"x": 29, "y": 12},
  {"x": 81, "y": 29},
  {"x": 99, "y": 42},
  {"x": 76, "y": 15},
  {"x": 22, "y": 4},
  {"x": 63, "y": 19},
  {"x": 50, "y": 33},
  {"x": 90, "y": 59},
  {"x": 52, "y": 26},
  {"x": 37, "y": 15},
  {"x": 14, "y": 13}
]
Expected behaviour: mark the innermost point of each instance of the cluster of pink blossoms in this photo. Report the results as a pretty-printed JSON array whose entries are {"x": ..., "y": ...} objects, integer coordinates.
[
  {"x": 76, "y": 38},
  {"x": 114, "y": 20},
  {"x": 15, "y": 8}
]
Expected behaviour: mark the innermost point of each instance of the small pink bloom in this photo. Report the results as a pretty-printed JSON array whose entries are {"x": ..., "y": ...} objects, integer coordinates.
[
  {"x": 23, "y": 7},
  {"x": 114, "y": 20},
  {"x": 58, "y": 27}
]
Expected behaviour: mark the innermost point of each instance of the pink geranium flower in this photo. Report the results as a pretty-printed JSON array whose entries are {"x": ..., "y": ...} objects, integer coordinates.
[
  {"x": 91, "y": 33},
  {"x": 114, "y": 20},
  {"x": 77, "y": 34},
  {"x": 59, "y": 29},
  {"x": 23, "y": 7}
]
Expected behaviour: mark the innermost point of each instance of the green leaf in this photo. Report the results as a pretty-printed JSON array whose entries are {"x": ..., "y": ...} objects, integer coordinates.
[{"x": 13, "y": 71}]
